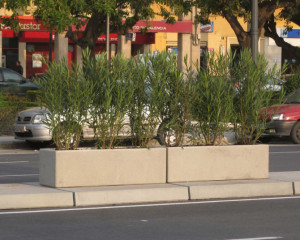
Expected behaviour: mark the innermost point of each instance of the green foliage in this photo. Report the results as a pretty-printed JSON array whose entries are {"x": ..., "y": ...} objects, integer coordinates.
[
  {"x": 159, "y": 94},
  {"x": 60, "y": 15},
  {"x": 292, "y": 81},
  {"x": 142, "y": 117},
  {"x": 32, "y": 95},
  {"x": 212, "y": 98},
  {"x": 252, "y": 95},
  {"x": 171, "y": 97},
  {"x": 65, "y": 93},
  {"x": 111, "y": 95},
  {"x": 10, "y": 105}
]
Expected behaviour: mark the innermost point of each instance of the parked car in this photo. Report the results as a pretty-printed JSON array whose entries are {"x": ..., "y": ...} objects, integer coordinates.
[
  {"x": 284, "y": 120},
  {"x": 12, "y": 82},
  {"x": 30, "y": 126}
]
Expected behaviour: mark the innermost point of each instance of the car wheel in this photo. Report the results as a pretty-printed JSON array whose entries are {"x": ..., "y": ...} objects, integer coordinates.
[
  {"x": 167, "y": 136},
  {"x": 295, "y": 133}
]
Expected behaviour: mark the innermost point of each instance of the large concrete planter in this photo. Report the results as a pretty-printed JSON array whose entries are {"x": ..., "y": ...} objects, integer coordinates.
[
  {"x": 208, "y": 163},
  {"x": 79, "y": 168}
]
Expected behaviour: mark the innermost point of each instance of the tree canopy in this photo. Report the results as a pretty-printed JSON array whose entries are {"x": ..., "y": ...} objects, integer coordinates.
[
  {"x": 89, "y": 16},
  {"x": 232, "y": 10}
]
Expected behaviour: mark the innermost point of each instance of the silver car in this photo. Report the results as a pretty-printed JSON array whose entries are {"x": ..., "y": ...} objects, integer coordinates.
[{"x": 29, "y": 126}]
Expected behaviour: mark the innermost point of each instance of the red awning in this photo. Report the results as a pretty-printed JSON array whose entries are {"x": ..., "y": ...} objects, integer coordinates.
[
  {"x": 7, "y": 33},
  {"x": 163, "y": 26},
  {"x": 34, "y": 36}
]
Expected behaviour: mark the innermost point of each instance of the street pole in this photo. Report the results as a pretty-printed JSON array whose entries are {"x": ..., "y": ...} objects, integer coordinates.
[
  {"x": 254, "y": 29},
  {"x": 107, "y": 36}
]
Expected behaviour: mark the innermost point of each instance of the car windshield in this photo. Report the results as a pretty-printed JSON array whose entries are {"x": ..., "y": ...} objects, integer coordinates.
[{"x": 294, "y": 97}]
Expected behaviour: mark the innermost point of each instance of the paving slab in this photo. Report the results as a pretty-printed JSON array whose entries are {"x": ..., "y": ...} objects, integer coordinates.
[
  {"x": 32, "y": 195},
  {"x": 238, "y": 189},
  {"x": 88, "y": 196}
]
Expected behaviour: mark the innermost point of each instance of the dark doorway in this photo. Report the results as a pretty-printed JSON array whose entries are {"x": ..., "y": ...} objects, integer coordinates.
[
  {"x": 236, "y": 50},
  {"x": 10, "y": 52}
]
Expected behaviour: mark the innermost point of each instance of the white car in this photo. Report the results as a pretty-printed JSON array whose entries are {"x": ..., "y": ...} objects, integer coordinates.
[{"x": 29, "y": 126}]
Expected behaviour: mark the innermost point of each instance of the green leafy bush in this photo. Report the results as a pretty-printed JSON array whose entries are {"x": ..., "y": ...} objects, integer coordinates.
[
  {"x": 251, "y": 96},
  {"x": 66, "y": 93},
  {"x": 10, "y": 105},
  {"x": 111, "y": 95},
  {"x": 212, "y": 98},
  {"x": 292, "y": 81}
]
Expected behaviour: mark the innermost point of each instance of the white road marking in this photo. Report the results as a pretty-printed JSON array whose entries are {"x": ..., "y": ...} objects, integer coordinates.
[
  {"x": 14, "y": 162},
  {"x": 20, "y": 175},
  {"x": 146, "y": 205},
  {"x": 259, "y": 238}
]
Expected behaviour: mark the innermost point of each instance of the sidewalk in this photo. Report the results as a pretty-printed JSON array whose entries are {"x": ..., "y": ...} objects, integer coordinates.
[
  {"x": 32, "y": 195},
  {"x": 10, "y": 142}
]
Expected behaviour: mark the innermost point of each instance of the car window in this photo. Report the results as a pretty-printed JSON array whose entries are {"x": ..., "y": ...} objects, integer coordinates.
[{"x": 10, "y": 76}]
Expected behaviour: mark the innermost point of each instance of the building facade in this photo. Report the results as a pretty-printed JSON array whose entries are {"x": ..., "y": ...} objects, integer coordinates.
[{"x": 32, "y": 43}]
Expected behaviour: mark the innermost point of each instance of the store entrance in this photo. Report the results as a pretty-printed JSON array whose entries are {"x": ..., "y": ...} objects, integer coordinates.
[{"x": 10, "y": 52}]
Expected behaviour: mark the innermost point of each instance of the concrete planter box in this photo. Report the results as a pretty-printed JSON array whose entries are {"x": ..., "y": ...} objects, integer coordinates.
[
  {"x": 79, "y": 168},
  {"x": 208, "y": 163}
]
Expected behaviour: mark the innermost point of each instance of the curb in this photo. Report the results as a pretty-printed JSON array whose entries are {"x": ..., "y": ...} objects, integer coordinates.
[{"x": 33, "y": 195}]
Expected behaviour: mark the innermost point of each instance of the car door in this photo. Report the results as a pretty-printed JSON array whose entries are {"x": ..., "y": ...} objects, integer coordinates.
[{"x": 13, "y": 83}]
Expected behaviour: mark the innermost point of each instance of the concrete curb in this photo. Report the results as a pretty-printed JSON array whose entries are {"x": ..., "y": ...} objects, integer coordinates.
[
  {"x": 32, "y": 195},
  {"x": 239, "y": 189},
  {"x": 89, "y": 196}
]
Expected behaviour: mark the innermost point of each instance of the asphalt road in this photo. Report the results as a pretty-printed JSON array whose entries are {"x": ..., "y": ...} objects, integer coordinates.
[
  {"x": 276, "y": 218},
  {"x": 22, "y": 166}
]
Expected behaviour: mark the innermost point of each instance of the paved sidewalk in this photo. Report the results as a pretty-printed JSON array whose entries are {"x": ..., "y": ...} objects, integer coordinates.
[
  {"x": 32, "y": 195},
  {"x": 10, "y": 142}
]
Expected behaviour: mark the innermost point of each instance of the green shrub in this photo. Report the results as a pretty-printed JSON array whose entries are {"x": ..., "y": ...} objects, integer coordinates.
[
  {"x": 292, "y": 81},
  {"x": 10, "y": 105},
  {"x": 173, "y": 101},
  {"x": 32, "y": 95},
  {"x": 251, "y": 96},
  {"x": 143, "y": 118},
  {"x": 158, "y": 100},
  {"x": 212, "y": 99},
  {"x": 66, "y": 94},
  {"x": 111, "y": 96}
]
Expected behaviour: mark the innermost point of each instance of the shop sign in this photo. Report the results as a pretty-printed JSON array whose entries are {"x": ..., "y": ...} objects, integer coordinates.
[
  {"x": 27, "y": 25},
  {"x": 163, "y": 26},
  {"x": 207, "y": 28},
  {"x": 294, "y": 33}
]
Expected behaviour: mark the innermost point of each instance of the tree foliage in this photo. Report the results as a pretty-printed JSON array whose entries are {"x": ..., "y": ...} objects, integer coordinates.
[
  {"x": 232, "y": 10},
  {"x": 288, "y": 15},
  {"x": 89, "y": 16}
]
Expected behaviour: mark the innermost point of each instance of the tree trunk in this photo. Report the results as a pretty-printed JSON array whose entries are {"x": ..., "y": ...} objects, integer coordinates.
[{"x": 270, "y": 31}]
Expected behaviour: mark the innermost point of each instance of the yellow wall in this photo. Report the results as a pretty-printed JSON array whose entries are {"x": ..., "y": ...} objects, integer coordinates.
[{"x": 162, "y": 40}]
